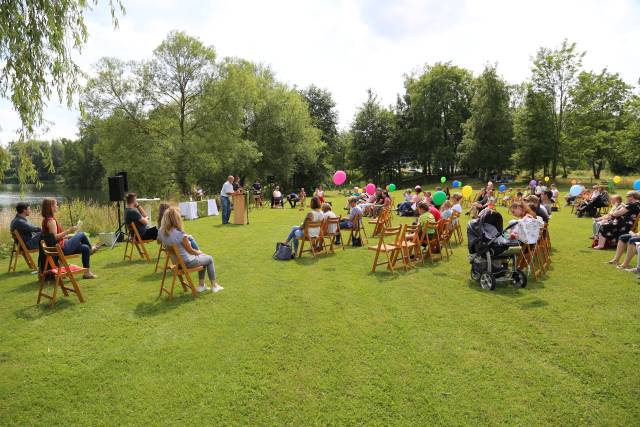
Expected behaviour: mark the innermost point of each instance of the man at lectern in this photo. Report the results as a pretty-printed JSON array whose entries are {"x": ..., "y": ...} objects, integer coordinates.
[{"x": 225, "y": 195}]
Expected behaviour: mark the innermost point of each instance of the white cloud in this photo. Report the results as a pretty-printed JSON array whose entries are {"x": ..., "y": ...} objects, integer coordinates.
[{"x": 349, "y": 46}]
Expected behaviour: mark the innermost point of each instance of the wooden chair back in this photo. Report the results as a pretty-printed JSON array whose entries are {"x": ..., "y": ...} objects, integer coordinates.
[
  {"x": 315, "y": 242},
  {"x": 134, "y": 240},
  {"x": 180, "y": 271},
  {"x": 357, "y": 230},
  {"x": 19, "y": 249},
  {"x": 387, "y": 246},
  {"x": 430, "y": 241},
  {"x": 330, "y": 232},
  {"x": 56, "y": 264}
]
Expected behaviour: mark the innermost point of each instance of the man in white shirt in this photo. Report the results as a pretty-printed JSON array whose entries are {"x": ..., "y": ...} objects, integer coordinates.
[{"x": 225, "y": 194}]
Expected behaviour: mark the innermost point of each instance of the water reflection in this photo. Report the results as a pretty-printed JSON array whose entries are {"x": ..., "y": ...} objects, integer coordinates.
[{"x": 10, "y": 194}]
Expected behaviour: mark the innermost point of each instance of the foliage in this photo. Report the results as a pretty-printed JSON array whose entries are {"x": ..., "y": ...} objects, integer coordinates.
[
  {"x": 488, "y": 138},
  {"x": 37, "y": 41}
]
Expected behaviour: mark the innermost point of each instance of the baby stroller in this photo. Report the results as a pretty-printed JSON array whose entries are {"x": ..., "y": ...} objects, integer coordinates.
[{"x": 490, "y": 254}]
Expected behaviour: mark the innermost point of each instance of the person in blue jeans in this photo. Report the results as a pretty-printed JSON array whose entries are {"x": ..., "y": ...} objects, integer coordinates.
[
  {"x": 77, "y": 244},
  {"x": 225, "y": 194},
  {"x": 297, "y": 231}
]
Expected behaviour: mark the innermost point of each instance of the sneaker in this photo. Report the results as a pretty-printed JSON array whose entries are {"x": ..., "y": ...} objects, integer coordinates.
[
  {"x": 217, "y": 288},
  {"x": 632, "y": 270},
  {"x": 202, "y": 288}
]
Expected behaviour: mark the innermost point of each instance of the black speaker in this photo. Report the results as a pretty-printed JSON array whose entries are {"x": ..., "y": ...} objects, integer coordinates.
[
  {"x": 116, "y": 188},
  {"x": 271, "y": 179},
  {"x": 126, "y": 181}
]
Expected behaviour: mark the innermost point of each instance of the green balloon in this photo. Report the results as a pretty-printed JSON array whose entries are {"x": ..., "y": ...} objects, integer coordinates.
[
  {"x": 443, "y": 180},
  {"x": 392, "y": 188},
  {"x": 439, "y": 198}
]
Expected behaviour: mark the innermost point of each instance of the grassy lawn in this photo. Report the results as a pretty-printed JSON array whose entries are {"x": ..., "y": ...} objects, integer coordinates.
[{"x": 324, "y": 341}]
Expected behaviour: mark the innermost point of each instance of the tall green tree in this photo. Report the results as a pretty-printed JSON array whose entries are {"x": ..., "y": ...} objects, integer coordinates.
[
  {"x": 555, "y": 73},
  {"x": 439, "y": 100},
  {"x": 596, "y": 117},
  {"x": 488, "y": 139}
]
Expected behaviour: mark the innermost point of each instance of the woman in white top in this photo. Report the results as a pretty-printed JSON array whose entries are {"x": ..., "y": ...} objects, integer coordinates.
[
  {"x": 329, "y": 214},
  {"x": 171, "y": 233},
  {"x": 298, "y": 231},
  {"x": 319, "y": 193},
  {"x": 276, "y": 197}
]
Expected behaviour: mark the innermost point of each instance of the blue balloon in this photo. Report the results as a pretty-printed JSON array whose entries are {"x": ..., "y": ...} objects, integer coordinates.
[
  {"x": 636, "y": 185},
  {"x": 502, "y": 188},
  {"x": 576, "y": 189},
  {"x": 456, "y": 183}
]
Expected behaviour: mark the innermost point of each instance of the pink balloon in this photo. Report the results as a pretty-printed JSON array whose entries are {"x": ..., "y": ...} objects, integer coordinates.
[
  {"x": 339, "y": 177},
  {"x": 370, "y": 188}
]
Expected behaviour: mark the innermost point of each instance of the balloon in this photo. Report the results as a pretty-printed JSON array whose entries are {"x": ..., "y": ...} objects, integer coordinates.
[
  {"x": 502, "y": 188},
  {"x": 370, "y": 188},
  {"x": 574, "y": 182},
  {"x": 466, "y": 191},
  {"x": 456, "y": 183},
  {"x": 392, "y": 187},
  {"x": 636, "y": 184},
  {"x": 443, "y": 180},
  {"x": 617, "y": 179},
  {"x": 546, "y": 179},
  {"x": 533, "y": 183},
  {"x": 439, "y": 197},
  {"x": 339, "y": 177},
  {"x": 576, "y": 189}
]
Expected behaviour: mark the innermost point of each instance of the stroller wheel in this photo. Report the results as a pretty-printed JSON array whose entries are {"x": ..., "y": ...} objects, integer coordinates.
[
  {"x": 475, "y": 273},
  {"x": 519, "y": 279},
  {"x": 487, "y": 281}
]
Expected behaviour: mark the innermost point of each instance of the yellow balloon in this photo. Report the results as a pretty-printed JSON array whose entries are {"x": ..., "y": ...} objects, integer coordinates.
[
  {"x": 466, "y": 191},
  {"x": 617, "y": 179},
  {"x": 546, "y": 179}
]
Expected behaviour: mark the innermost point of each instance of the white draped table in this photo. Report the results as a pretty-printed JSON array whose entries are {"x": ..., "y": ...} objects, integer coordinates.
[{"x": 189, "y": 210}]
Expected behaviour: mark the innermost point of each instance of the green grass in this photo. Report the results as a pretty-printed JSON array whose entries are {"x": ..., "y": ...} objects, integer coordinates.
[{"x": 324, "y": 341}]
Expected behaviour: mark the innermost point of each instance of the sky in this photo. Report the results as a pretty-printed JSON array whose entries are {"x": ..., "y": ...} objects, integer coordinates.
[{"x": 348, "y": 46}]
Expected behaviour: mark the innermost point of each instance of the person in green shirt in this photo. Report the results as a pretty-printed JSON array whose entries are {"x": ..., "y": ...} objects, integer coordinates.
[{"x": 424, "y": 217}]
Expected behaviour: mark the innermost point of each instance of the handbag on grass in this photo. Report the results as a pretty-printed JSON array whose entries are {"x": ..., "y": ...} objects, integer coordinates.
[{"x": 283, "y": 252}]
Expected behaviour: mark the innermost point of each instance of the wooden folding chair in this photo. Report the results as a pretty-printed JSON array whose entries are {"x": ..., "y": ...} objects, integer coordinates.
[
  {"x": 315, "y": 243},
  {"x": 20, "y": 249},
  {"x": 56, "y": 264},
  {"x": 444, "y": 236},
  {"x": 634, "y": 227},
  {"x": 383, "y": 220},
  {"x": 410, "y": 249},
  {"x": 430, "y": 242},
  {"x": 328, "y": 237},
  {"x": 456, "y": 228},
  {"x": 179, "y": 270},
  {"x": 357, "y": 230},
  {"x": 390, "y": 250},
  {"x": 134, "y": 240},
  {"x": 161, "y": 250}
]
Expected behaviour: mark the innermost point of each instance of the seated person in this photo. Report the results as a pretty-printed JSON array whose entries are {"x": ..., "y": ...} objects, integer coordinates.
[
  {"x": 546, "y": 201},
  {"x": 626, "y": 243},
  {"x": 540, "y": 211},
  {"x": 599, "y": 198},
  {"x": 297, "y": 231},
  {"x": 446, "y": 209},
  {"x": 424, "y": 217},
  {"x": 456, "y": 200},
  {"x": 161, "y": 210},
  {"x": 133, "y": 212},
  {"x": 554, "y": 193},
  {"x": 276, "y": 198},
  {"x": 172, "y": 233},
  {"x": 77, "y": 244},
  {"x": 354, "y": 210},
  {"x": 621, "y": 221},
  {"x": 616, "y": 201},
  {"x": 434, "y": 211},
  {"x": 30, "y": 234},
  {"x": 328, "y": 213},
  {"x": 293, "y": 198},
  {"x": 482, "y": 200},
  {"x": 523, "y": 213},
  {"x": 257, "y": 192}
]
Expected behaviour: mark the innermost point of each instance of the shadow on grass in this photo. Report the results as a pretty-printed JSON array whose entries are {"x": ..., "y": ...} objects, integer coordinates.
[
  {"x": 35, "y": 312},
  {"x": 162, "y": 305},
  {"x": 31, "y": 286},
  {"x": 126, "y": 262}
]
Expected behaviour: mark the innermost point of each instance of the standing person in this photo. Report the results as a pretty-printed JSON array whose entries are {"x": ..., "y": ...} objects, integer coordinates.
[
  {"x": 30, "y": 234},
  {"x": 303, "y": 197},
  {"x": 172, "y": 233},
  {"x": 319, "y": 193},
  {"x": 134, "y": 213},
  {"x": 225, "y": 194},
  {"x": 77, "y": 244},
  {"x": 236, "y": 183}
]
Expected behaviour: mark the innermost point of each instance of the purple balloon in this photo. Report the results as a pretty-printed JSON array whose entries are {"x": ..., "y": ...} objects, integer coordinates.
[{"x": 533, "y": 183}]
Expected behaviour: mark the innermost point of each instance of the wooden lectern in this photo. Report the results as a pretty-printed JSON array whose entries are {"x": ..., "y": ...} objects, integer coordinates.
[{"x": 239, "y": 209}]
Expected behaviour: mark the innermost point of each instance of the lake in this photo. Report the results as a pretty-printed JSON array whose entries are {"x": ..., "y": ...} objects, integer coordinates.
[{"x": 10, "y": 194}]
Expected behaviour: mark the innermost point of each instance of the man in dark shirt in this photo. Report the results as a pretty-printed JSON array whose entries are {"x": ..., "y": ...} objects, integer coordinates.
[
  {"x": 29, "y": 234},
  {"x": 136, "y": 214}
]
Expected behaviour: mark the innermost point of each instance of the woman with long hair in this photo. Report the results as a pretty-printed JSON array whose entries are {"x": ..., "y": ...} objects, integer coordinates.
[
  {"x": 77, "y": 244},
  {"x": 172, "y": 233}
]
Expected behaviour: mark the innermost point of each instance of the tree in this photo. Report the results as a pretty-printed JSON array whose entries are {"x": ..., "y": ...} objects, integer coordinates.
[
  {"x": 373, "y": 135},
  {"x": 439, "y": 102},
  {"x": 625, "y": 155},
  {"x": 595, "y": 117},
  {"x": 37, "y": 40},
  {"x": 555, "y": 74},
  {"x": 488, "y": 137}
]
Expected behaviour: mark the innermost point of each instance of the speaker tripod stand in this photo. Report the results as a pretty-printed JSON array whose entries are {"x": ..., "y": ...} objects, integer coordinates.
[{"x": 120, "y": 232}]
